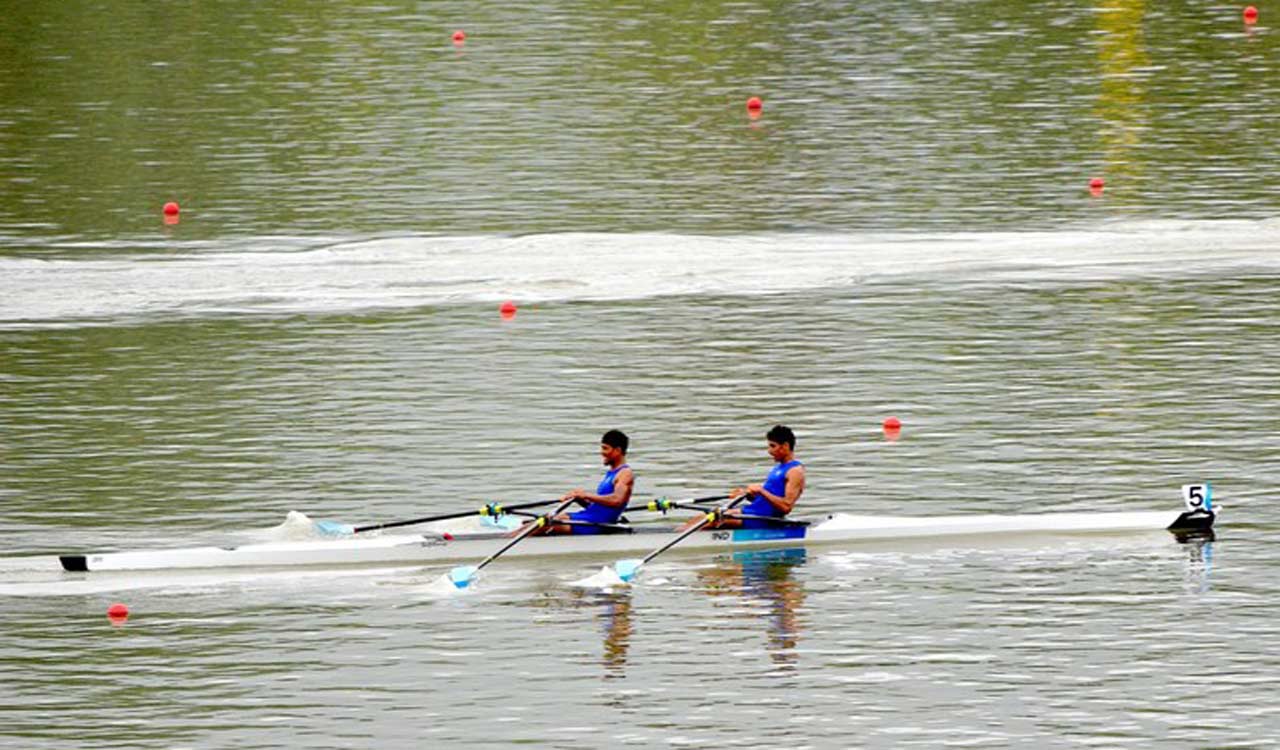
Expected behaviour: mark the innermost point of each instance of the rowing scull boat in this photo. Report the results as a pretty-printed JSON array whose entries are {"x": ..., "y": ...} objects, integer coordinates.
[{"x": 450, "y": 543}]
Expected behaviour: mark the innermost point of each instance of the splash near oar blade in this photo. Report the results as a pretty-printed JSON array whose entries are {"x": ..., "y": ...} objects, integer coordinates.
[
  {"x": 602, "y": 580},
  {"x": 326, "y": 527}
]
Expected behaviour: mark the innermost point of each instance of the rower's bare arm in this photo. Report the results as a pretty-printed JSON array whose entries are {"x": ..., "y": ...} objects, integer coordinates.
[{"x": 795, "y": 488}]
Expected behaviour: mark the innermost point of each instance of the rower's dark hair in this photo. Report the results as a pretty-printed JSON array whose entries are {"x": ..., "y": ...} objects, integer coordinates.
[
  {"x": 615, "y": 439},
  {"x": 781, "y": 434}
]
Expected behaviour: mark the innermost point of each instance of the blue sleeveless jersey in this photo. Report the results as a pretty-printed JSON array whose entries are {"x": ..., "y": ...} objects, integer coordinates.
[
  {"x": 775, "y": 484},
  {"x": 598, "y": 512}
]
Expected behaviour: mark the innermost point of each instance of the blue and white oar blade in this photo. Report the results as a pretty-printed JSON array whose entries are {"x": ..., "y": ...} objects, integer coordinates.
[
  {"x": 627, "y": 569},
  {"x": 325, "y": 527},
  {"x": 462, "y": 575}
]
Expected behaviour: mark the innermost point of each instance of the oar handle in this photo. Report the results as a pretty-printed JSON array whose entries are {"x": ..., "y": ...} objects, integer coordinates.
[{"x": 490, "y": 509}]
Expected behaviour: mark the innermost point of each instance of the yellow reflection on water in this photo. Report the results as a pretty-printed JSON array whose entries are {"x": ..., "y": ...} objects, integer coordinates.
[{"x": 1122, "y": 60}]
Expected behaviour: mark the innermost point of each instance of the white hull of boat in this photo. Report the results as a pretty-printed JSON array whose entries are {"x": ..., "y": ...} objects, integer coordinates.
[{"x": 451, "y": 544}]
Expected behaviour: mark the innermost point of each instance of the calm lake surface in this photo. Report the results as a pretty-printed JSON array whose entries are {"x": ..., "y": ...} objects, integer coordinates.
[{"x": 906, "y": 230}]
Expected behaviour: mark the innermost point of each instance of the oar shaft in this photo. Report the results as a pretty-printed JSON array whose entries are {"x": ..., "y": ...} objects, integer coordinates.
[
  {"x": 673, "y": 504},
  {"x": 707, "y": 499},
  {"x": 691, "y": 530},
  {"x": 444, "y": 517},
  {"x": 606, "y": 528},
  {"x": 526, "y": 531}
]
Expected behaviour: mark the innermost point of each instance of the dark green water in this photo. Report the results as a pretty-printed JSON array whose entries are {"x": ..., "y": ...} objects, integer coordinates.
[{"x": 287, "y": 117}]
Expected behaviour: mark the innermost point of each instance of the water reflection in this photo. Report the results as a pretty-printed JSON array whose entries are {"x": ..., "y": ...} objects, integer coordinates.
[
  {"x": 613, "y": 610},
  {"x": 614, "y": 619},
  {"x": 1199, "y": 564},
  {"x": 762, "y": 577},
  {"x": 766, "y": 575}
]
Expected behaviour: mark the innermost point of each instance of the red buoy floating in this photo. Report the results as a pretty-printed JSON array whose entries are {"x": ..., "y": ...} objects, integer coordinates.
[
  {"x": 754, "y": 107},
  {"x": 459, "y": 38},
  {"x": 507, "y": 310},
  {"x": 1096, "y": 186},
  {"x": 118, "y": 612},
  {"x": 892, "y": 423},
  {"x": 171, "y": 209},
  {"x": 1250, "y": 15}
]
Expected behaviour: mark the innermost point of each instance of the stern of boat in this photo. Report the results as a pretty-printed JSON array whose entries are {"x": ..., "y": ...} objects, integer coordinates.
[{"x": 1194, "y": 525}]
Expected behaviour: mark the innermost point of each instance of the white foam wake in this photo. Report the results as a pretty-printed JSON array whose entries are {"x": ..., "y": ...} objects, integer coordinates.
[{"x": 272, "y": 276}]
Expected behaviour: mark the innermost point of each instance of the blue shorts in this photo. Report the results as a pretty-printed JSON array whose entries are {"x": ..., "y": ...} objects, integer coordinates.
[
  {"x": 581, "y": 515},
  {"x": 757, "y": 523}
]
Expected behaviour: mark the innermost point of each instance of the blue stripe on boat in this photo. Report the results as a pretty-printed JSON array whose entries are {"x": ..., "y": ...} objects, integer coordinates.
[{"x": 780, "y": 532}]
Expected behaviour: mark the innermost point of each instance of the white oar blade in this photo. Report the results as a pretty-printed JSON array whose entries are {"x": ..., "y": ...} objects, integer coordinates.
[
  {"x": 627, "y": 570},
  {"x": 462, "y": 576}
]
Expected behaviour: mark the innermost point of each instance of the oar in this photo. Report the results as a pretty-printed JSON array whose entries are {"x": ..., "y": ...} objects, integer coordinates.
[
  {"x": 461, "y": 576},
  {"x": 663, "y": 504},
  {"x": 627, "y": 569},
  {"x": 334, "y": 528},
  {"x": 605, "y": 528}
]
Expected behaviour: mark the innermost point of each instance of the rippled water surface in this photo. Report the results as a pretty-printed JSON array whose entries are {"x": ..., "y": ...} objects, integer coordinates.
[
  {"x": 287, "y": 116},
  {"x": 907, "y": 230}
]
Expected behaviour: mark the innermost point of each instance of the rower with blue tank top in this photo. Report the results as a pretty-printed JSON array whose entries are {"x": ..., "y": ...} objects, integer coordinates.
[
  {"x": 604, "y": 507},
  {"x": 776, "y": 496}
]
